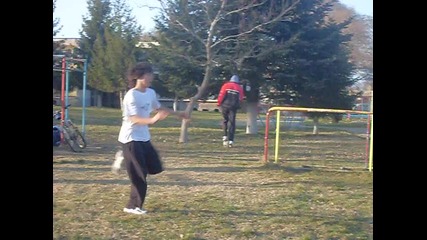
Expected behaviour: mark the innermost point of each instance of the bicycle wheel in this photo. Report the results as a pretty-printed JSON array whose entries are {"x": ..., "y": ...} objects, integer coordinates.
[
  {"x": 74, "y": 139},
  {"x": 76, "y": 135},
  {"x": 69, "y": 140}
]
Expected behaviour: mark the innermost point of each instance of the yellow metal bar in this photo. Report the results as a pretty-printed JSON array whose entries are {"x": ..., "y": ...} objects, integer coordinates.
[
  {"x": 276, "y": 146},
  {"x": 318, "y": 110},
  {"x": 300, "y": 109},
  {"x": 371, "y": 143}
]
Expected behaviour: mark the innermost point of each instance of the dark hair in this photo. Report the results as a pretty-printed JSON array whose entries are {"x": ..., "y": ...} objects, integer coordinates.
[{"x": 138, "y": 71}]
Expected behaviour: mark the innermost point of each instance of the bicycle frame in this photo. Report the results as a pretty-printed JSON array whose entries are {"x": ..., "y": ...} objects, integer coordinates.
[{"x": 70, "y": 133}]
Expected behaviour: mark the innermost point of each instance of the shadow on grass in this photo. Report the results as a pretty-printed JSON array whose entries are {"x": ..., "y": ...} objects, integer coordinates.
[
  {"x": 222, "y": 169},
  {"x": 86, "y": 162},
  {"x": 291, "y": 169},
  {"x": 178, "y": 182},
  {"x": 329, "y": 219}
]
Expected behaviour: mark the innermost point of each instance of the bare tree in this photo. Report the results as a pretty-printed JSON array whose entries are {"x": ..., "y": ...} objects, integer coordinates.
[
  {"x": 207, "y": 26},
  {"x": 361, "y": 44}
]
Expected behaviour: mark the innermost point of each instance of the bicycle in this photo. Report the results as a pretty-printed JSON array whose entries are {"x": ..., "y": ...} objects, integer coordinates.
[{"x": 70, "y": 133}]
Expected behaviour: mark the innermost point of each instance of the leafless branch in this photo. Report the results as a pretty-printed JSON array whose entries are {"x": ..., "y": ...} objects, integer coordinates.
[{"x": 259, "y": 26}]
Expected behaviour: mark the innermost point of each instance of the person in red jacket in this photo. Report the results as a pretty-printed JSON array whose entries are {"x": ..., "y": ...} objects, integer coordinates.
[{"x": 229, "y": 99}]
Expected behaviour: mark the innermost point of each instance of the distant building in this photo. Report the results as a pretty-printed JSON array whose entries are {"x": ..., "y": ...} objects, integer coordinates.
[
  {"x": 74, "y": 43},
  {"x": 66, "y": 46},
  {"x": 144, "y": 44}
]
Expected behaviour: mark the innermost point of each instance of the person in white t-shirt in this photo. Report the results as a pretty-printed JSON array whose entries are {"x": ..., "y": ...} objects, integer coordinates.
[{"x": 140, "y": 157}]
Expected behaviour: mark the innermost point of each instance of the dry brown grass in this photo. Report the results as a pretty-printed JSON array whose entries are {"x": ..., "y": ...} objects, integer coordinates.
[{"x": 319, "y": 189}]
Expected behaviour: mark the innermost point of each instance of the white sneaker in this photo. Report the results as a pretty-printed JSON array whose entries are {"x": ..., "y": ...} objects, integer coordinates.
[
  {"x": 224, "y": 141},
  {"x": 117, "y": 164},
  {"x": 230, "y": 143},
  {"x": 136, "y": 210}
]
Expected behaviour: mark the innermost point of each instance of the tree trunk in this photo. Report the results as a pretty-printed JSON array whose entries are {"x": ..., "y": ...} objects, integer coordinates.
[
  {"x": 175, "y": 104},
  {"x": 109, "y": 97},
  {"x": 315, "y": 126},
  {"x": 121, "y": 99},
  {"x": 98, "y": 99},
  {"x": 251, "y": 118},
  {"x": 183, "y": 137}
]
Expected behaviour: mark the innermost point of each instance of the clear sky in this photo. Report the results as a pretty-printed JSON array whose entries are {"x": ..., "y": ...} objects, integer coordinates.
[{"x": 71, "y": 12}]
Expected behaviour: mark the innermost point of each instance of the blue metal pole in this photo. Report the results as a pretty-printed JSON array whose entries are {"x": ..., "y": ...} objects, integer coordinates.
[{"x": 84, "y": 97}]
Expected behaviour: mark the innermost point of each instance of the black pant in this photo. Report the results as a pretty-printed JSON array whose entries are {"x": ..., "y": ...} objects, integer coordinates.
[
  {"x": 141, "y": 158},
  {"x": 229, "y": 122}
]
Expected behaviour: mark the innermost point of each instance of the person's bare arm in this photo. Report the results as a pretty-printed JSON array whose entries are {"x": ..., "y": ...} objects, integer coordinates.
[
  {"x": 160, "y": 115},
  {"x": 180, "y": 114}
]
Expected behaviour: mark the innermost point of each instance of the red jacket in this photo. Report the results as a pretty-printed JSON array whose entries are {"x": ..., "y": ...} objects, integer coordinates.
[{"x": 230, "y": 86}]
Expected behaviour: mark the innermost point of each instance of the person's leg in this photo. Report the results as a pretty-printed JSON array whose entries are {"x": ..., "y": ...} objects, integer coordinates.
[
  {"x": 232, "y": 126},
  {"x": 137, "y": 172},
  {"x": 225, "y": 114},
  {"x": 153, "y": 161}
]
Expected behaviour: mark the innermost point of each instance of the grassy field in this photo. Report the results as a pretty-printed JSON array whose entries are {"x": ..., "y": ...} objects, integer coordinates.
[{"x": 319, "y": 189}]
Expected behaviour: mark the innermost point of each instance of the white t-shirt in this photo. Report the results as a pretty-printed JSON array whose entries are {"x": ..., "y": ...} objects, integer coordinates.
[{"x": 138, "y": 103}]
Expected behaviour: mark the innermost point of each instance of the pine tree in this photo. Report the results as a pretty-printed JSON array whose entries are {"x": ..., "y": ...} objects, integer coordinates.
[
  {"x": 94, "y": 25},
  {"x": 109, "y": 38},
  {"x": 56, "y": 26},
  {"x": 315, "y": 71}
]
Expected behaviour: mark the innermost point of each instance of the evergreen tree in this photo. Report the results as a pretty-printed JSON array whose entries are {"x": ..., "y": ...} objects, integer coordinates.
[
  {"x": 94, "y": 25},
  {"x": 315, "y": 71},
  {"x": 56, "y": 26},
  {"x": 56, "y": 29},
  {"x": 179, "y": 77},
  {"x": 109, "y": 37}
]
